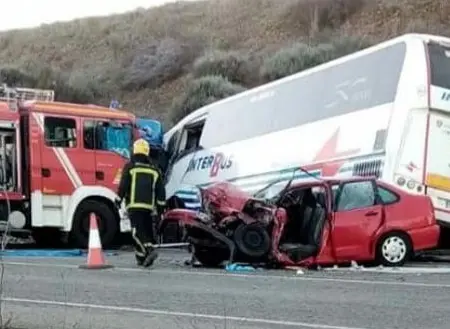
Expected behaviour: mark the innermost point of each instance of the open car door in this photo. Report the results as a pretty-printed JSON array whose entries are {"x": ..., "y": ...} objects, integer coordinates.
[
  {"x": 301, "y": 233},
  {"x": 356, "y": 219}
]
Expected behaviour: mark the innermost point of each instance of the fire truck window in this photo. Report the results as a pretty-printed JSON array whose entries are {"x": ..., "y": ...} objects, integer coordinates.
[
  {"x": 8, "y": 164},
  {"x": 108, "y": 136},
  {"x": 60, "y": 132},
  {"x": 89, "y": 135}
]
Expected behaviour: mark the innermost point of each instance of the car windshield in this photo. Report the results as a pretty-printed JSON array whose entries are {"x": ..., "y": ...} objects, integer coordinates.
[{"x": 272, "y": 189}]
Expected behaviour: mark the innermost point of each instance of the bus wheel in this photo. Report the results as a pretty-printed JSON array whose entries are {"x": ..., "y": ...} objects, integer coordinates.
[{"x": 107, "y": 223}]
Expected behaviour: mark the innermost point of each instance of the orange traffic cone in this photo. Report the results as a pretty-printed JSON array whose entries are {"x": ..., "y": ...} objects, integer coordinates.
[{"x": 96, "y": 258}]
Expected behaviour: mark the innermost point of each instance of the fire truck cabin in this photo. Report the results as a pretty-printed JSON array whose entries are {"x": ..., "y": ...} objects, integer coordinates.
[{"x": 59, "y": 163}]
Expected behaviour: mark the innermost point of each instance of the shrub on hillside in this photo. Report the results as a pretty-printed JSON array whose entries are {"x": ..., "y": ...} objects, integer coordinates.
[
  {"x": 201, "y": 92},
  {"x": 87, "y": 85},
  {"x": 333, "y": 13},
  {"x": 302, "y": 56},
  {"x": 14, "y": 76},
  {"x": 231, "y": 65},
  {"x": 43, "y": 77},
  {"x": 344, "y": 45},
  {"x": 156, "y": 63},
  {"x": 314, "y": 16},
  {"x": 294, "y": 59}
]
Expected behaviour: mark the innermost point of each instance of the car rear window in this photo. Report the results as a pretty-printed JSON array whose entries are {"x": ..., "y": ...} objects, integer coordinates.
[{"x": 387, "y": 196}]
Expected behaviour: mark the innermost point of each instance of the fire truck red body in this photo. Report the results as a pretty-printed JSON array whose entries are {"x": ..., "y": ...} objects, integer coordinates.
[{"x": 59, "y": 162}]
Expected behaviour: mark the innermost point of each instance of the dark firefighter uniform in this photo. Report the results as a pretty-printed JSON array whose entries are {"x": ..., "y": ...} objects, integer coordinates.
[{"x": 142, "y": 188}]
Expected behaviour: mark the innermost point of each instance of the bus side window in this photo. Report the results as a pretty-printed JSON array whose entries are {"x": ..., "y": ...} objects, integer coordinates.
[
  {"x": 172, "y": 144},
  {"x": 190, "y": 139}
]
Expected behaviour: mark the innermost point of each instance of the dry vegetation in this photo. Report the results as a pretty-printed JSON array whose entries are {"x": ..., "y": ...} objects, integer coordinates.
[{"x": 167, "y": 61}]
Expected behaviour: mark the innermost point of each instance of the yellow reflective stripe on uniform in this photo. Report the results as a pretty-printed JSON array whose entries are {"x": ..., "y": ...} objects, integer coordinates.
[
  {"x": 154, "y": 187},
  {"x": 138, "y": 242},
  {"x": 133, "y": 173},
  {"x": 161, "y": 203},
  {"x": 139, "y": 205},
  {"x": 132, "y": 187}
]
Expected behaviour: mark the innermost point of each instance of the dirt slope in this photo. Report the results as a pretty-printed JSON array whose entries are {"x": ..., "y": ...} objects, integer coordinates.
[{"x": 101, "y": 56}]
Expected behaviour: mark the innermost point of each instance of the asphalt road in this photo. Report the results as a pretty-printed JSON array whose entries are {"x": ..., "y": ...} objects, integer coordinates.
[{"x": 55, "y": 293}]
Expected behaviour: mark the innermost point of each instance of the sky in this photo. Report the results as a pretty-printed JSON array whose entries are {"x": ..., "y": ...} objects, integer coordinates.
[{"x": 30, "y": 13}]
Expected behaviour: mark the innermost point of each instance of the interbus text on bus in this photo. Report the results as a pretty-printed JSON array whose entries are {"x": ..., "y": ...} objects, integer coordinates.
[{"x": 214, "y": 163}]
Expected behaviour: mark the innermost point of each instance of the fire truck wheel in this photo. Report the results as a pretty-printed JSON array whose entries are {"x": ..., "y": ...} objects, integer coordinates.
[{"x": 108, "y": 226}]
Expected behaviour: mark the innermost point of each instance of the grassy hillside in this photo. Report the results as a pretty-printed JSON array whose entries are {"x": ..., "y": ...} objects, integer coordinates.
[{"x": 169, "y": 60}]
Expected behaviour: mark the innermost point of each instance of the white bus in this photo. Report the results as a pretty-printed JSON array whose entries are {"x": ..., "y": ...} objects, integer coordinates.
[{"x": 382, "y": 111}]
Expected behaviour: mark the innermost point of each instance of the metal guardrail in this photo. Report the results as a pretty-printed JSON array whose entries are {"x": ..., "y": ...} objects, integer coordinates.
[{"x": 11, "y": 94}]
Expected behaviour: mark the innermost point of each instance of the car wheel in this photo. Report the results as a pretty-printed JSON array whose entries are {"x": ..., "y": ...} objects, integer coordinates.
[
  {"x": 108, "y": 225},
  {"x": 252, "y": 240},
  {"x": 209, "y": 257},
  {"x": 394, "y": 249}
]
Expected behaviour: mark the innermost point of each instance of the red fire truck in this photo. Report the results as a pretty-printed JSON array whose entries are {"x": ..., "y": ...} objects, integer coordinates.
[{"x": 59, "y": 162}]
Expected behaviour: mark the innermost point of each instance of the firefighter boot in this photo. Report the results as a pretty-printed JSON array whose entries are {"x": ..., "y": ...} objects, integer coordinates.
[
  {"x": 152, "y": 255},
  {"x": 139, "y": 260}
]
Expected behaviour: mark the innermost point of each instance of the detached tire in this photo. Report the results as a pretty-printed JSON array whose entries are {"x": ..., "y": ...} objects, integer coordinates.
[
  {"x": 108, "y": 225},
  {"x": 252, "y": 240},
  {"x": 209, "y": 257},
  {"x": 393, "y": 249}
]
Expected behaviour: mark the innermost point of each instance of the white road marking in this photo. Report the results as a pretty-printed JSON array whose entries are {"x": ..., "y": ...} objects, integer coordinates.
[
  {"x": 236, "y": 275},
  {"x": 395, "y": 270},
  {"x": 176, "y": 314}
]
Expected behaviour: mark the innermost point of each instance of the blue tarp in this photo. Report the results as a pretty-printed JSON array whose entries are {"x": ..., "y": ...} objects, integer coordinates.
[
  {"x": 235, "y": 267},
  {"x": 46, "y": 253},
  {"x": 117, "y": 140}
]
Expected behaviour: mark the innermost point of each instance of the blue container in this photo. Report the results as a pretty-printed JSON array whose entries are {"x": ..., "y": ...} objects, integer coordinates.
[{"x": 152, "y": 131}]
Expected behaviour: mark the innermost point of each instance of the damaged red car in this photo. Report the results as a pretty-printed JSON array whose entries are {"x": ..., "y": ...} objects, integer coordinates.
[{"x": 319, "y": 221}]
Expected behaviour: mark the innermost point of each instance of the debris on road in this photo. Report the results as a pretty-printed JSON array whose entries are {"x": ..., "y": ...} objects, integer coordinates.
[
  {"x": 239, "y": 268},
  {"x": 11, "y": 240},
  {"x": 354, "y": 266},
  {"x": 299, "y": 270}
]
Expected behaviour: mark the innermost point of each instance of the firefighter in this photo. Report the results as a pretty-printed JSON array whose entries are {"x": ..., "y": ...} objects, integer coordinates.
[{"x": 142, "y": 188}]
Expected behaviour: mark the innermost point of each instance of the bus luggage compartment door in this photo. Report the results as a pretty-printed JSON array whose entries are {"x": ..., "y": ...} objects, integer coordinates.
[{"x": 437, "y": 176}]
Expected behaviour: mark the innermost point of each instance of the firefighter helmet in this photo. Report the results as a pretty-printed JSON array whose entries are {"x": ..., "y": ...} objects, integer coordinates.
[{"x": 141, "y": 146}]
